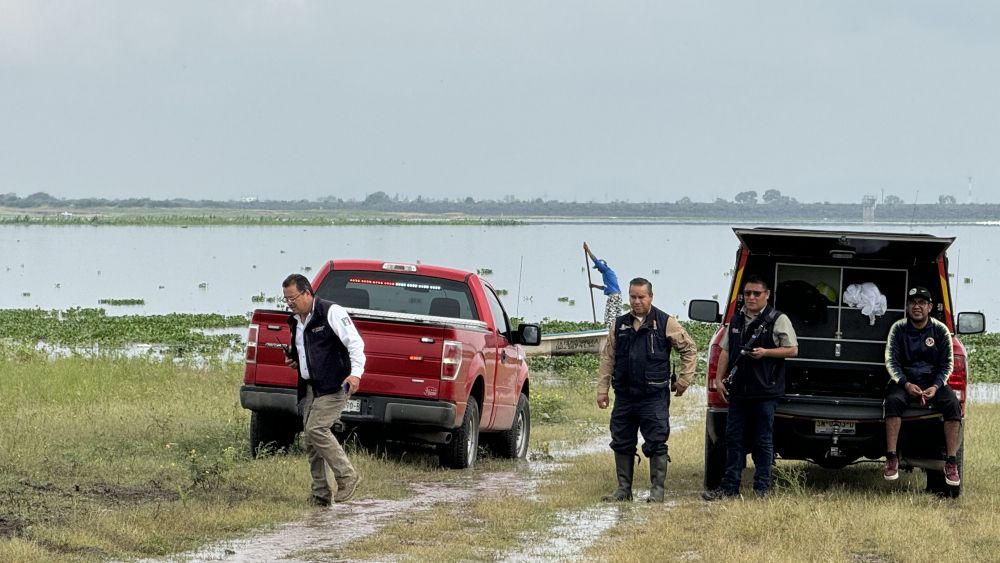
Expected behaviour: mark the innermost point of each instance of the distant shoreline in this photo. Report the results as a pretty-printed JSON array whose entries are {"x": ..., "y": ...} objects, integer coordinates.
[{"x": 204, "y": 217}]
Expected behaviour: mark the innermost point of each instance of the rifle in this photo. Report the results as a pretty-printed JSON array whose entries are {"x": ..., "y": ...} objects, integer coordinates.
[{"x": 748, "y": 347}]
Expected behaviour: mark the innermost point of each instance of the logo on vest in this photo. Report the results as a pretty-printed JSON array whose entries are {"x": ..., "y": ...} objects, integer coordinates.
[
  {"x": 929, "y": 342},
  {"x": 318, "y": 329}
]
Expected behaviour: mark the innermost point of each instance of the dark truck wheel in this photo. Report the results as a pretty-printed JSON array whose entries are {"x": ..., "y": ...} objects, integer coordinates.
[
  {"x": 271, "y": 432},
  {"x": 513, "y": 443},
  {"x": 715, "y": 462},
  {"x": 935, "y": 479},
  {"x": 461, "y": 452}
]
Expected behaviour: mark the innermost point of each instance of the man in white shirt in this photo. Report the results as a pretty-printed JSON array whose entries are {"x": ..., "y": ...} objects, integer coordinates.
[{"x": 329, "y": 355}]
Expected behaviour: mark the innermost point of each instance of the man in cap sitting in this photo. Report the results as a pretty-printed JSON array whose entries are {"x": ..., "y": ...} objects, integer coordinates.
[{"x": 919, "y": 359}]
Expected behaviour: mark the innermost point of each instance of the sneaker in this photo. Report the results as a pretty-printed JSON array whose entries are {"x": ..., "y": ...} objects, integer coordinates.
[
  {"x": 345, "y": 492},
  {"x": 951, "y": 476},
  {"x": 891, "y": 472},
  {"x": 718, "y": 494}
]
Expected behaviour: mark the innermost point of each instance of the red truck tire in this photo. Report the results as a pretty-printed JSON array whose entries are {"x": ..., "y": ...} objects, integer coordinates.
[
  {"x": 271, "y": 432},
  {"x": 463, "y": 449},
  {"x": 935, "y": 479},
  {"x": 513, "y": 443}
]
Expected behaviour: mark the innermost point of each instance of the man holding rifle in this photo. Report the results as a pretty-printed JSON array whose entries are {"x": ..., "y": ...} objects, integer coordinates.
[{"x": 751, "y": 377}]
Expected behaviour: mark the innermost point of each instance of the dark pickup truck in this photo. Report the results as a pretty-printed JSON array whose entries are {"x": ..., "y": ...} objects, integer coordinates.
[
  {"x": 444, "y": 363},
  {"x": 832, "y": 413}
]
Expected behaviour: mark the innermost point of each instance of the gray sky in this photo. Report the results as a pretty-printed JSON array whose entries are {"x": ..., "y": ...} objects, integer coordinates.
[{"x": 573, "y": 99}]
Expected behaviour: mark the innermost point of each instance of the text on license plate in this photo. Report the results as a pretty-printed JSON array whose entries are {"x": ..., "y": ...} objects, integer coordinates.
[
  {"x": 843, "y": 427},
  {"x": 352, "y": 405}
]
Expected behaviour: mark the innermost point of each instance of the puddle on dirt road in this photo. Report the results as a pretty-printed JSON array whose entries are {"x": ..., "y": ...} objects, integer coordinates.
[{"x": 575, "y": 532}]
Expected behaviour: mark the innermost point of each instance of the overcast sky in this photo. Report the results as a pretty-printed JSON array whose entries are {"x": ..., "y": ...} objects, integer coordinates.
[{"x": 573, "y": 100}]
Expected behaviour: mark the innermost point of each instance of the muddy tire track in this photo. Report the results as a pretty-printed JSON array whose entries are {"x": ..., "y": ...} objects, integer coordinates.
[{"x": 323, "y": 529}]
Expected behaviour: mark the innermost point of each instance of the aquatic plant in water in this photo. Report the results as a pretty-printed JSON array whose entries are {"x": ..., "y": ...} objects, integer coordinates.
[
  {"x": 84, "y": 328},
  {"x": 121, "y": 302}
]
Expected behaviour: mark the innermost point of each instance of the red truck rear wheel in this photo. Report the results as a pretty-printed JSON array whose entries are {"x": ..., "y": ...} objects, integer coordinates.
[
  {"x": 461, "y": 452},
  {"x": 270, "y": 432}
]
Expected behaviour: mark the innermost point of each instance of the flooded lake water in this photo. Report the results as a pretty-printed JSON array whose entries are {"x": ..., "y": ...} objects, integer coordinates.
[{"x": 219, "y": 269}]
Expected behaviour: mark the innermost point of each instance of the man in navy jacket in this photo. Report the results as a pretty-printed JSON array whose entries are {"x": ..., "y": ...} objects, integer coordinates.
[{"x": 919, "y": 359}]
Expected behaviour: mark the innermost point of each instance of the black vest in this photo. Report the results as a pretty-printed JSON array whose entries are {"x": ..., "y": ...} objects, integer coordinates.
[
  {"x": 755, "y": 379},
  {"x": 642, "y": 357},
  {"x": 326, "y": 356}
]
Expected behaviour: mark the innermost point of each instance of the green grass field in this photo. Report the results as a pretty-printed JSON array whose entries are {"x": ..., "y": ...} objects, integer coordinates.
[{"x": 106, "y": 458}]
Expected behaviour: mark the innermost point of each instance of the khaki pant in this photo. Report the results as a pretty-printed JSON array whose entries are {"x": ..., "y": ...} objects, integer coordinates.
[{"x": 322, "y": 448}]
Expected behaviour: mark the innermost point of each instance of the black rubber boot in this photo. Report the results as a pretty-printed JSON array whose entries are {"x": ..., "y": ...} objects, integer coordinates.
[
  {"x": 657, "y": 477},
  {"x": 624, "y": 467}
]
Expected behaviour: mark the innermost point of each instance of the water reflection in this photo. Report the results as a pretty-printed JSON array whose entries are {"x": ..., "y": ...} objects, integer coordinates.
[{"x": 987, "y": 393}]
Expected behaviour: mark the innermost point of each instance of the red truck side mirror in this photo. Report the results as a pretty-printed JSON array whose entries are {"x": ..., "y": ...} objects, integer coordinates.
[{"x": 528, "y": 335}]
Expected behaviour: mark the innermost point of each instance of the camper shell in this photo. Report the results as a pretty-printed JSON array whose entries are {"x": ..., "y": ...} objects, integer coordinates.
[{"x": 832, "y": 413}]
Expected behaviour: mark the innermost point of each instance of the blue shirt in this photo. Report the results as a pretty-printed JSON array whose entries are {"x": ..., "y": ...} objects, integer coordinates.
[{"x": 610, "y": 279}]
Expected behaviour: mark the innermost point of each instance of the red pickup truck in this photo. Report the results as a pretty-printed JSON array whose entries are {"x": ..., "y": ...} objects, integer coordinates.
[{"x": 444, "y": 364}]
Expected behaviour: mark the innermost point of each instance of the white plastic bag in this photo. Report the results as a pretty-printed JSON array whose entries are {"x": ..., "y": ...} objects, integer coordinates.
[{"x": 866, "y": 297}]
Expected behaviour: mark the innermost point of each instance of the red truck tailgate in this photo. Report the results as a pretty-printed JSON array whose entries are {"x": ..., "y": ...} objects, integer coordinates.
[
  {"x": 268, "y": 332},
  {"x": 403, "y": 359}
]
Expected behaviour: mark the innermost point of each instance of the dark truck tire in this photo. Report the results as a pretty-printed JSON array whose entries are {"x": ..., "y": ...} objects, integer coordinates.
[
  {"x": 715, "y": 462},
  {"x": 461, "y": 452},
  {"x": 271, "y": 432},
  {"x": 935, "y": 479},
  {"x": 513, "y": 443}
]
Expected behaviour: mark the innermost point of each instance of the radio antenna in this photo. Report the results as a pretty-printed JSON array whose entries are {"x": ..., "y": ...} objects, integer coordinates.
[{"x": 517, "y": 308}]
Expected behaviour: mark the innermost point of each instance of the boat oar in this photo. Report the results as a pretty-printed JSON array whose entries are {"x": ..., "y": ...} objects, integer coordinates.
[{"x": 590, "y": 283}]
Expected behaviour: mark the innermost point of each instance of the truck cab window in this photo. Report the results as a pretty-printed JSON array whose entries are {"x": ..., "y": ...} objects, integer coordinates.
[{"x": 399, "y": 292}]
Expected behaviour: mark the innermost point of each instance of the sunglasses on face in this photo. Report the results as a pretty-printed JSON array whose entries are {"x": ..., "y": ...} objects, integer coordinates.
[
  {"x": 752, "y": 293},
  {"x": 293, "y": 298}
]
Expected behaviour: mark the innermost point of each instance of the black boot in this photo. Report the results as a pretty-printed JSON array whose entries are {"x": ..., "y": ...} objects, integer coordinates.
[
  {"x": 624, "y": 467},
  {"x": 657, "y": 477}
]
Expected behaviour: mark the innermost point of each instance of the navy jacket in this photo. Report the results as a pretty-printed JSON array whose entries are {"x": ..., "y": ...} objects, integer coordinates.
[
  {"x": 755, "y": 379},
  {"x": 642, "y": 357},
  {"x": 923, "y": 357}
]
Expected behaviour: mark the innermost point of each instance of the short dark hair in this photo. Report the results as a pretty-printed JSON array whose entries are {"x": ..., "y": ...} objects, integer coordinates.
[
  {"x": 300, "y": 282},
  {"x": 754, "y": 278},
  {"x": 642, "y": 281}
]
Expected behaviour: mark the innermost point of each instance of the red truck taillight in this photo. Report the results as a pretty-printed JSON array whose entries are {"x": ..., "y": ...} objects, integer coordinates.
[
  {"x": 252, "y": 344},
  {"x": 959, "y": 377},
  {"x": 715, "y": 399},
  {"x": 451, "y": 359}
]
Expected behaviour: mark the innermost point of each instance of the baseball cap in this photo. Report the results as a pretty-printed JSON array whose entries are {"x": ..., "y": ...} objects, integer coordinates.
[{"x": 918, "y": 291}]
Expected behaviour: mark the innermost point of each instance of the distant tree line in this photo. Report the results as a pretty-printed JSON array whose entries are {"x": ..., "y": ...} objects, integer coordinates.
[{"x": 746, "y": 205}]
